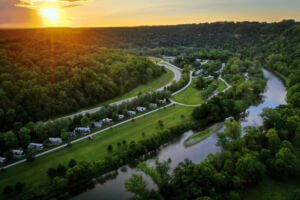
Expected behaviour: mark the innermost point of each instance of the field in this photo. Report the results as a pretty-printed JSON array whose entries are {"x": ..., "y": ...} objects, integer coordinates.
[
  {"x": 35, "y": 173},
  {"x": 151, "y": 86},
  {"x": 192, "y": 95}
]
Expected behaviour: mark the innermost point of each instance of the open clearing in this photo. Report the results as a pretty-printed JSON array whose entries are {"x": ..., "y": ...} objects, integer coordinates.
[
  {"x": 192, "y": 95},
  {"x": 35, "y": 173}
]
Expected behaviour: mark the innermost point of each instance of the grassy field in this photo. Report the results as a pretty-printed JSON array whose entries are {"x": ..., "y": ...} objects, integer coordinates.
[
  {"x": 192, "y": 95},
  {"x": 151, "y": 86},
  {"x": 269, "y": 189},
  {"x": 35, "y": 173}
]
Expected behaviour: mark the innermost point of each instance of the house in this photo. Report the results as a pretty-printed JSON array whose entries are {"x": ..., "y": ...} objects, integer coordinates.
[
  {"x": 55, "y": 140},
  {"x": 121, "y": 116},
  {"x": 97, "y": 124},
  {"x": 35, "y": 146},
  {"x": 163, "y": 101},
  {"x": 131, "y": 113},
  {"x": 17, "y": 153},
  {"x": 106, "y": 120},
  {"x": 152, "y": 105},
  {"x": 83, "y": 130},
  {"x": 141, "y": 109},
  {"x": 2, "y": 160}
]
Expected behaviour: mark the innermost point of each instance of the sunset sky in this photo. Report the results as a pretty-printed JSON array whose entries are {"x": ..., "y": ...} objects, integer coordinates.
[{"x": 101, "y": 13}]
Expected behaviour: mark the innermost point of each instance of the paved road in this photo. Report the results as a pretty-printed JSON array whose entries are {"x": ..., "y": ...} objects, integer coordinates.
[{"x": 177, "y": 77}]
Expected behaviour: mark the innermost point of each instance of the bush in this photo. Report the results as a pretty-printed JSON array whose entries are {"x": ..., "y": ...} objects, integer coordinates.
[
  {"x": 51, "y": 173},
  {"x": 61, "y": 170},
  {"x": 19, "y": 186},
  {"x": 30, "y": 157},
  {"x": 72, "y": 163},
  {"x": 7, "y": 190},
  {"x": 109, "y": 148}
]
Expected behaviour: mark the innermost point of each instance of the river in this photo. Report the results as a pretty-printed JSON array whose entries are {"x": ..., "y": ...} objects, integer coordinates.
[{"x": 114, "y": 189}]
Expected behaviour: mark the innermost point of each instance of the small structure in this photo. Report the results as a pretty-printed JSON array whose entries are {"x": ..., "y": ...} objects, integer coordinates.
[
  {"x": 35, "y": 146},
  {"x": 152, "y": 105},
  {"x": 141, "y": 109},
  {"x": 55, "y": 140},
  {"x": 170, "y": 58},
  {"x": 131, "y": 113},
  {"x": 198, "y": 72},
  {"x": 17, "y": 153},
  {"x": 121, "y": 116},
  {"x": 2, "y": 160},
  {"x": 106, "y": 120},
  {"x": 83, "y": 130},
  {"x": 229, "y": 119},
  {"x": 163, "y": 101},
  {"x": 97, "y": 124}
]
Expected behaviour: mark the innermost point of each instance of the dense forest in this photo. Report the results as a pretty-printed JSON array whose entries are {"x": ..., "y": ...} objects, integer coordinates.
[{"x": 44, "y": 79}]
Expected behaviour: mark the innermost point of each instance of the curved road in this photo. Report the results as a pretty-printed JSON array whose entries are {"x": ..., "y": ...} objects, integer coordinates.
[{"x": 173, "y": 68}]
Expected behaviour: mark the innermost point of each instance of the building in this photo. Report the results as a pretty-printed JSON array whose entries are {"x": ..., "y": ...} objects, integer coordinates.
[
  {"x": 163, "y": 101},
  {"x": 55, "y": 140},
  {"x": 141, "y": 109},
  {"x": 121, "y": 116},
  {"x": 17, "y": 153},
  {"x": 106, "y": 120},
  {"x": 152, "y": 105},
  {"x": 35, "y": 146},
  {"x": 131, "y": 113},
  {"x": 2, "y": 160},
  {"x": 83, "y": 130},
  {"x": 97, "y": 124}
]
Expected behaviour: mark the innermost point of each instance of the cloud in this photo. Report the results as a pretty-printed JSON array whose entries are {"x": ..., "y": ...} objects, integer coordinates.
[
  {"x": 15, "y": 16},
  {"x": 71, "y": 5}
]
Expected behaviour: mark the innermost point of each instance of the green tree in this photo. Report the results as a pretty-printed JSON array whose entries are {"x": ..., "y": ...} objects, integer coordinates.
[{"x": 85, "y": 121}]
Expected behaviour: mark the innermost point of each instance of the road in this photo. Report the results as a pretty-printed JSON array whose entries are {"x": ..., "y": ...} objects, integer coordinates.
[{"x": 177, "y": 77}]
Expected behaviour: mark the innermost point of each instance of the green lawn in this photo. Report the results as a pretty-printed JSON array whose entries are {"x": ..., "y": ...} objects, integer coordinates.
[
  {"x": 192, "y": 95},
  {"x": 151, "y": 86},
  {"x": 35, "y": 173},
  {"x": 269, "y": 189}
]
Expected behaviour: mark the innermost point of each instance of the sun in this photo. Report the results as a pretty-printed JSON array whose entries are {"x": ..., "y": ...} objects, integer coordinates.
[{"x": 50, "y": 13}]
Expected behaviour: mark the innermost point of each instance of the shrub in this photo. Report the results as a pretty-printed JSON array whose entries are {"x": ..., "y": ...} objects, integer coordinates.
[
  {"x": 72, "y": 163},
  {"x": 109, "y": 148},
  {"x": 7, "y": 190},
  {"x": 51, "y": 173},
  {"x": 19, "y": 186}
]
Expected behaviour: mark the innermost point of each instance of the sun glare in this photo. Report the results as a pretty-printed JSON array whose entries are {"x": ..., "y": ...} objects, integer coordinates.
[{"x": 50, "y": 13}]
